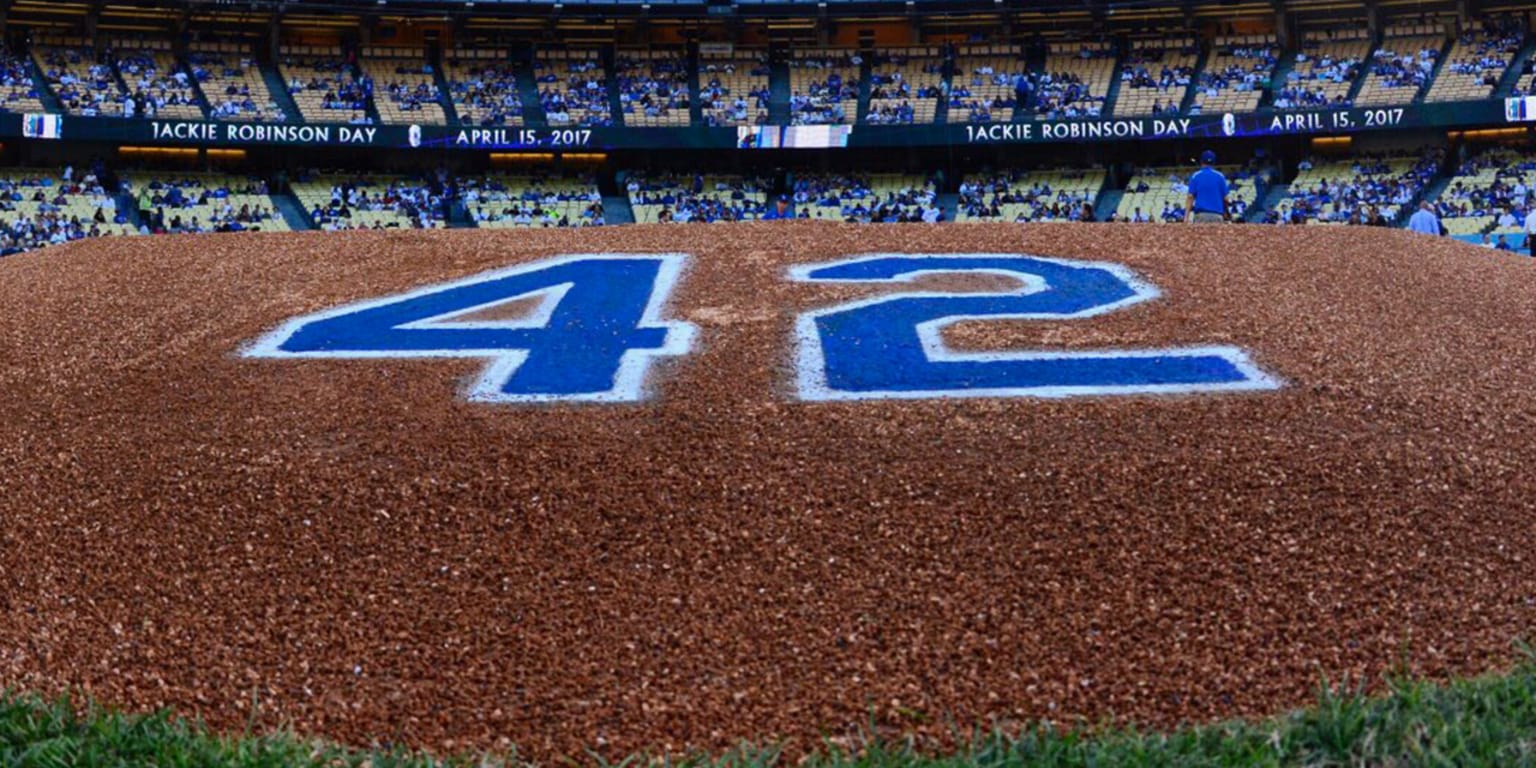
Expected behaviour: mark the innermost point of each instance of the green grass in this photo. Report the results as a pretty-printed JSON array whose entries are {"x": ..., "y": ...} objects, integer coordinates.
[{"x": 1487, "y": 721}]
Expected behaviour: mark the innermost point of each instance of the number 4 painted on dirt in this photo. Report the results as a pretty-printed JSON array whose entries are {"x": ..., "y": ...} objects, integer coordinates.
[{"x": 592, "y": 336}]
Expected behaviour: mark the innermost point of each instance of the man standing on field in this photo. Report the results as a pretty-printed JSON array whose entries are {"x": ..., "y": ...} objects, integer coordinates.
[{"x": 1206, "y": 202}]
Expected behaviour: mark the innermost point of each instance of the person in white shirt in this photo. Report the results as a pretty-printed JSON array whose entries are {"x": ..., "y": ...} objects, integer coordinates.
[{"x": 1530, "y": 231}]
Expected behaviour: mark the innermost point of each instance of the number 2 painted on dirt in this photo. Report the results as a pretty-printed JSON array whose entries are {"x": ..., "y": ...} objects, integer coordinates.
[
  {"x": 892, "y": 346},
  {"x": 596, "y": 327}
]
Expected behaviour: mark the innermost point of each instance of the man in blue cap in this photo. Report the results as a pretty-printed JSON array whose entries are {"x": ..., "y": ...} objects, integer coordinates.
[{"x": 1207, "y": 199}]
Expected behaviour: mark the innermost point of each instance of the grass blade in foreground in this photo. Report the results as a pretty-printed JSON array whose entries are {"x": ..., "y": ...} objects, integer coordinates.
[{"x": 1486, "y": 721}]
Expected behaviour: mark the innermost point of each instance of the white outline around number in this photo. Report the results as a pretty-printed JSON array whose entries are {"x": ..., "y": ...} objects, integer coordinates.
[
  {"x": 811, "y": 366},
  {"x": 628, "y": 380}
]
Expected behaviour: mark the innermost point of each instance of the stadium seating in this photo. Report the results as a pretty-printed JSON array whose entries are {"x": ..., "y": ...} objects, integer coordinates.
[
  {"x": 206, "y": 202},
  {"x": 1477, "y": 61},
  {"x": 1028, "y": 196},
  {"x": 573, "y": 87},
  {"x": 404, "y": 86},
  {"x": 982, "y": 90},
  {"x": 509, "y": 201},
  {"x": 706, "y": 198},
  {"x": 40, "y": 208},
  {"x": 1155, "y": 76},
  {"x": 232, "y": 83},
  {"x": 1342, "y": 191},
  {"x": 85, "y": 85},
  {"x": 18, "y": 91},
  {"x": 1237, "y": 74},
  {"x": 322, "y": 84},
  {"x": 338, "y": 202},
  {"x": 483, "y": 86},
  {"x": 1526, "y": 84},
  {"x": 735, "y": 87},
  {"x": 1325, "y": 70},
  {"x": 1076, "y": 80},
  {"x": 1401, "y": 65},
  {"x": 880, "y": 197},
  {"x": 1487, "y": 187},
  {"x": 653, "y": 87},
  {"x": 905, "y": 86},
  {"x": 159, "y": 86},
  {"x": 1157, "y": 195},
  {"x": 824, "y": 86}
]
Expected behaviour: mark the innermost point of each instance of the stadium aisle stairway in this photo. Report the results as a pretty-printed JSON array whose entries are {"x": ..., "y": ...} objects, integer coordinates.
[
  {"x": 1194, "y": 86},
  {"x": 949, "y": 203},
  {"x": 1279, "y": 77},
  {"x": 862, "y": 109},
  {"x": 1112, "y": 98},
  {"x": 778, "y": 92},
  {"x": 45, "y": 94},
  {"x": 528, "y": 90},
  {"x": 696, "y": 104},
  {"x": 1515, "y": 73},
  {"x": 370, "y": 107},
  {"x": 292, "y": 211},
  {"x": 1108, "y": 202},
  {"x": 1434, "y": 74},
  {"x": 279, "y": 92},
  {"x": 444, "y": 93},
  {"x": 1273, "y": 196},
  {"x": 617, "y": 211}
]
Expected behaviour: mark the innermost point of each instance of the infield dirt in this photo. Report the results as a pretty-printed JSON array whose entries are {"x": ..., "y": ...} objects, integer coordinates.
[{"x": 357, "y": 550}]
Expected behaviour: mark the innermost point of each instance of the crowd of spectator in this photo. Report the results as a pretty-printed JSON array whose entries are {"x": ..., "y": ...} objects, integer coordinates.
[
  {"x": 578, "y": 96},
  {"x": 983, "y": 110},
  {"x": 415, "y": 205},
  {"x": 1167, "y": 72},
  {"x": 903, "y": 90},
  {"x": 698, "y": 198},
  {"x": 227, "y": 86},
  {"x": 861, "y": 199},
  {"x": 484, "y": 93},
  {"x": 328, "y": 83},
  {"x": 538, "y": 201},
  {"x": 828, "y": 91},
  {"x": 179, "y": 205},
  {"x": 156, "y": 86},
  {"x": 409, "y": 93},
  {"x": 989, "y": 197},
  {"x": 1490, "y": 48},
  {"x": 84, "y": 85},
  {"x": 1369, "y": 189},
  {"x": 38, "y": 210},
  {"x": 18, "y": 93},
  {"x": 1504, "y": 198},
  {"x": 1403, "y": 70},
  {"x": 654, "y": 90},
  {"x": 1058, "y": 95},
  {"x": 1240, "y": 69},
  {"x": 1317, "y": 80},
  {"x": 746, "y": 103}
]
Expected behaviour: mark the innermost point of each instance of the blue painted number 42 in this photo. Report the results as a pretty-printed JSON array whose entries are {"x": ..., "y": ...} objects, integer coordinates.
[{"x": 596, "y": 328}]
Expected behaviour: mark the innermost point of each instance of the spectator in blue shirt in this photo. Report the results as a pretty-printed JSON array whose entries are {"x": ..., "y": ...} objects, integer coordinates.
[
  {"x": 1207, "y": 199},
  {"x": 1425, "y": 222}
]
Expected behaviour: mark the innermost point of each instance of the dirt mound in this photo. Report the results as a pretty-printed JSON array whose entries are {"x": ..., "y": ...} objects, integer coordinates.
[{"x": 361, "y": 550}]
